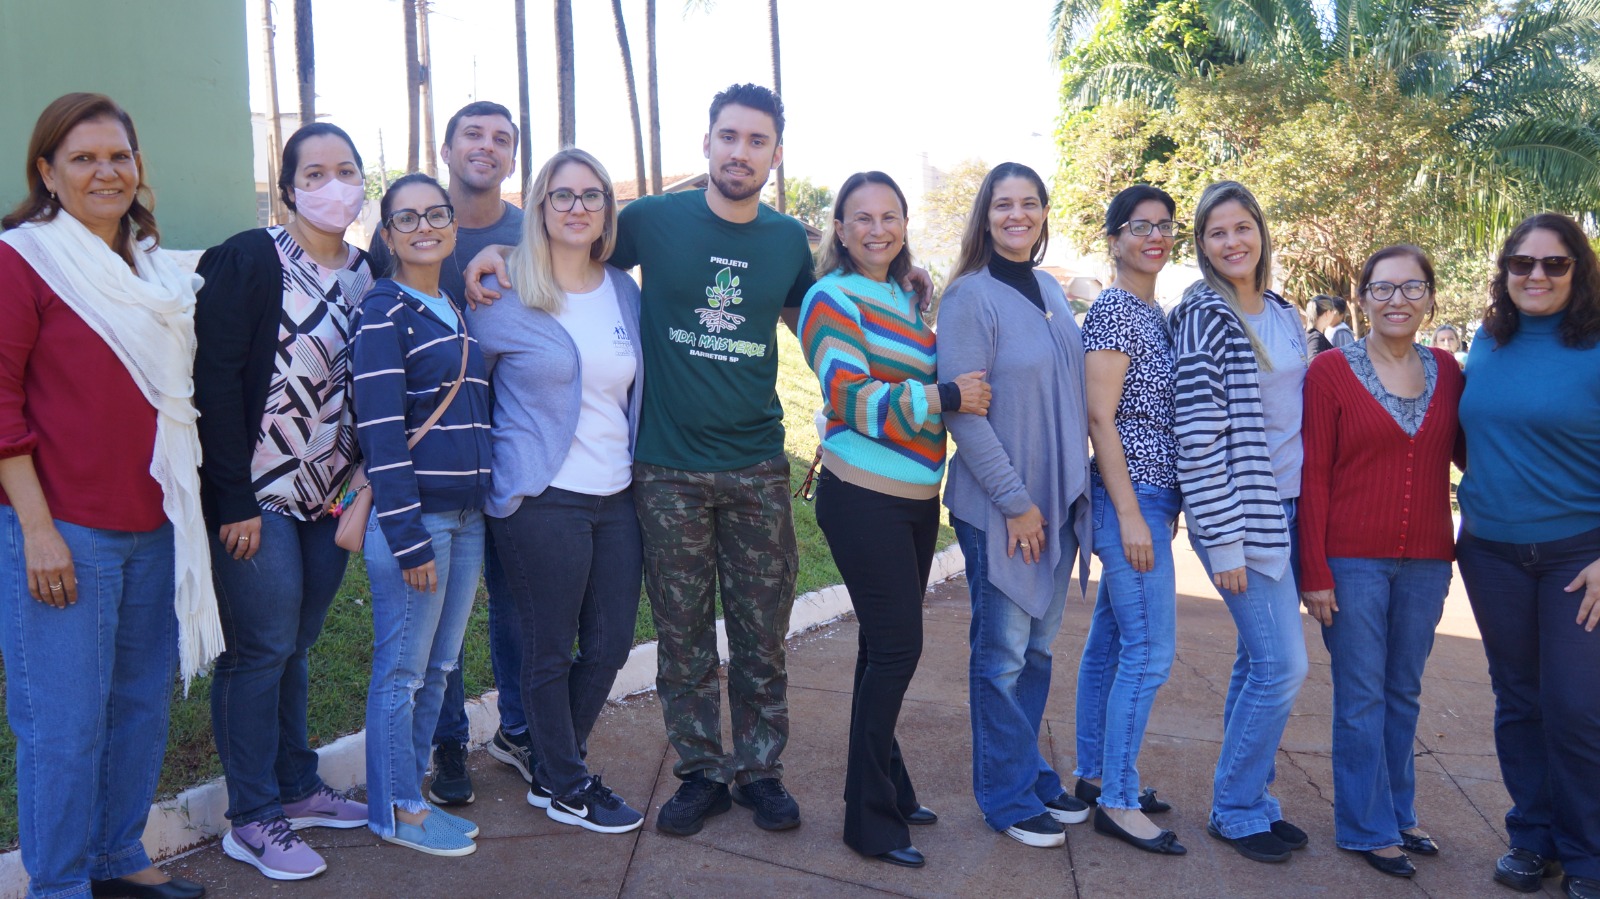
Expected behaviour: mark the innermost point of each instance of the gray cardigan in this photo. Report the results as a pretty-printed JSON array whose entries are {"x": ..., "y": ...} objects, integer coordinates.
[
  {"x": 1033, "y": 446},
  {"x": 537, "y": 379}
]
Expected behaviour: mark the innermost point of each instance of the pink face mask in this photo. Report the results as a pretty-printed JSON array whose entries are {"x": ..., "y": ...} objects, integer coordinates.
[{"x": 331, "y": 207}]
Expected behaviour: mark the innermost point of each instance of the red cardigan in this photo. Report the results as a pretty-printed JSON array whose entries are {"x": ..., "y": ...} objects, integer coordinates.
[
  {"x": 66, "y": 399},
  {"x": 1367, "y": 490}
]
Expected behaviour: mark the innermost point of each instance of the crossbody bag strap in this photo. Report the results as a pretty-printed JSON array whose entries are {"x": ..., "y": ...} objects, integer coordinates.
[{"x": 438, "y": 411}]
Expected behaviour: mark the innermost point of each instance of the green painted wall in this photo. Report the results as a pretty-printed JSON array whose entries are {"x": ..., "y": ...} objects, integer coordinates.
[{"x": 177, "y": 66}]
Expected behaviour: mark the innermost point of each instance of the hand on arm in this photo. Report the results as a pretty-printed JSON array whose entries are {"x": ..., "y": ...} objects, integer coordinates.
[
  {"x": 491, "y": 260},
  {"x": 920, "y": 283},
  {"x": 975, "y": 393}
]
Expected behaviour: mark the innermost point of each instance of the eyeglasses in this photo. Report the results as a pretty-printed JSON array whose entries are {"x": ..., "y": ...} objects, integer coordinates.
[
  {"x": 1554, "y": 266},
  {"x": 1142, "y": 228},
  {"x": 562, "y": 200},
  {"x": 1383, "y": 291},
  {"x": 408, "y": 220}
]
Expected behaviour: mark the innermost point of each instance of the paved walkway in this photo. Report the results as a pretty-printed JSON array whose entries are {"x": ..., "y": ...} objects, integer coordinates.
[{"x": 522, "y": 853}]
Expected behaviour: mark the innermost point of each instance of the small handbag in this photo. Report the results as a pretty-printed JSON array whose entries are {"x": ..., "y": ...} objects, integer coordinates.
[{"x": 354, "y": 506}]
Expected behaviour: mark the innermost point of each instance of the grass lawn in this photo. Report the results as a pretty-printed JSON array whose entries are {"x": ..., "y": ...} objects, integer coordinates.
[{"x": 341, "y": 662}]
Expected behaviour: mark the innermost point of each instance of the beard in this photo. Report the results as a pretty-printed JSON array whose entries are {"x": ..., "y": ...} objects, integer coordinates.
[{"x": 736, "y": 192}]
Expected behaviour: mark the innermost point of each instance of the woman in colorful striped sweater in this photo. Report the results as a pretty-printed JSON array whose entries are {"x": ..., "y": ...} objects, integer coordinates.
[{"x": 878, "y": 494}]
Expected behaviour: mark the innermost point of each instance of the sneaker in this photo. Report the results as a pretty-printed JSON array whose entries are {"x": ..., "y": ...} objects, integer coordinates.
[
  {"x": 774, "y": 808},
  {"x": 539, "y": 795},
  {"x": 698, "y": 798},
  {"x": 514, "y": 750},
  {"x": 1258, "y": 847},
  {"x": 451, "y": 783},
  {"x": 1292, "y": 836},
  {"x": 1042, "y": 830},
  {"x": 326, "y": 807},
  {"x": 1522, "y": 869},
  {"x": 461, "y": 825},
  {"x": 273, "y": 848},
  {"x": 432, "y": 836},
  {"x": 594, "y": 807},
  {"x": 1068, "y": 809}
]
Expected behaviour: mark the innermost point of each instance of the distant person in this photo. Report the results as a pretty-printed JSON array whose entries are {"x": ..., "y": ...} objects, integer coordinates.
[
  {"x": 480, "y": 146},
  {"x": 1339, "y": 333},
  {"x": 1322, "y": 313},
  {"x": 1375, "y": 553},
  {"x": 1447, "y": 338}
]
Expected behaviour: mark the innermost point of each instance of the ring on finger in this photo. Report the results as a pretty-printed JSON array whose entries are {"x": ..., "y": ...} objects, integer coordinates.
[{"x": 57, "y": 587}]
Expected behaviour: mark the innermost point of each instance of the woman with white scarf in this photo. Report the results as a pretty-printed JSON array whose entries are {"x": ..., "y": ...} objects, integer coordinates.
[{"x": 105, "y": 582}]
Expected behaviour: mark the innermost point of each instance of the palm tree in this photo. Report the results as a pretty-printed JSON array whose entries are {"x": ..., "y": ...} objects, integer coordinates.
[
  {"x": 408, "y": 8},
  {"x": 566, "y": 119},
  {"x": 633, "y": 96},
  {"x": 428, "y": 148},
  {"x": 777, "y": 87},
  {"x": 652, "y": 95},
  {"x": 305, "y": 58},
  {"x": 524, "y": 123}
]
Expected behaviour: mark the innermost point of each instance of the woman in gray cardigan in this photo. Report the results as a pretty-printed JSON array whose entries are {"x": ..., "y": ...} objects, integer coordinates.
[
  {"x": 563, "y": 351},
  {"x": 1018, "y": 493}
]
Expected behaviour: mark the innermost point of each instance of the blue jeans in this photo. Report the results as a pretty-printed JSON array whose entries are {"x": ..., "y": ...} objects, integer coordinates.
[
  {"x": 1132, "y": 640},
  {"x": 1544, "y": 668},
  {"x": 88, "y": 689},
  {"x": 416, "y": 641},
  {"x": 272, "y": 607},
  {"x": 1269, "y": 666},
  {"x": 1379, "y": 642},
  {"x": 1008, "y": 681},
  {"x": 505, "y": 660}
]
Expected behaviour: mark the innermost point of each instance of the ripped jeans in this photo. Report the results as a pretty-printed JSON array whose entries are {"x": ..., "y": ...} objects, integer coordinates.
[{"x": 416, "y": 643}]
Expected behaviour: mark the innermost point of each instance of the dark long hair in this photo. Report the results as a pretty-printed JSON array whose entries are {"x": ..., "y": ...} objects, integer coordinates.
[
  {"x": 977, "y": 244},
  {"x": 1581, "y": 326}
]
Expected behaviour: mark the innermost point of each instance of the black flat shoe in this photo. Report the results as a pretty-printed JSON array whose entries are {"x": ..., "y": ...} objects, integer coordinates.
[
  {"x": 1398, "y": 866},
  {"x": 923, "y": 815},
  {"x": 1292, "y": 836},
  {"x": 1581, "y": 887},
  {"x": 1418, "y": 844},
  {"x": 176, "y": 888},
  {"x": 909, "y": 857},
  {"x": 1164, "y": 843},
  {"x": 1523, "y": 869},
  {"x": 1148, "y": 803}
]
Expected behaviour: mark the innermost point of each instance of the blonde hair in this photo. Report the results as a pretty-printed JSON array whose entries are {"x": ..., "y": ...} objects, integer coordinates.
[
  {"x": 532, "y": 274},
  {"x": 977, "y": 244},
  {"x": 1215, "y": 195}
]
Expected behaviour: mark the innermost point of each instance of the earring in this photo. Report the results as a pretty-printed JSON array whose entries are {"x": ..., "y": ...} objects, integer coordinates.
[{"x": 53, "y": 198}]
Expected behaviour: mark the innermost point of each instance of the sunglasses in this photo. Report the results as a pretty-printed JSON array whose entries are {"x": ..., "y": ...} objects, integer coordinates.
[{"x": 1554, "y": 266}]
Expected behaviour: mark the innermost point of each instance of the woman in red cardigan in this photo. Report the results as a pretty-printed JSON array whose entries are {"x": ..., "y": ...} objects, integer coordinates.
[{"x": 1375, "y": 553}]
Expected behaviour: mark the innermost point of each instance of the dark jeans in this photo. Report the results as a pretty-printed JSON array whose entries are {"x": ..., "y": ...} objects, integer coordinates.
[
  {"x": 574, "y": 564},
  {"x": 272, "y": 607},
  {"x": 1544, "y": 668},
  {"x": 505, "y": 660},
  {"x": 883, "y": 546}
]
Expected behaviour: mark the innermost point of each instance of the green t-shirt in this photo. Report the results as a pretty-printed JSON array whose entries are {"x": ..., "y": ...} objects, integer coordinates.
[{"x": 711, "y": 294}]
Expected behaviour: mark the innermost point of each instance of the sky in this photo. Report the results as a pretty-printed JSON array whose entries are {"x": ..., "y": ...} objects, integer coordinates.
[{"x": 868, "y": 84}]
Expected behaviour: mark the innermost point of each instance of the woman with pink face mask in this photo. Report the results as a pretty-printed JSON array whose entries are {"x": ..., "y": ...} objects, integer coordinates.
[{"x": 272, "y": 383}]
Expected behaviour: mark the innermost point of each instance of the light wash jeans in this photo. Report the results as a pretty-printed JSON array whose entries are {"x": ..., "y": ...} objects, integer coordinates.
[
  {"x": 1269, "y": 666},
  {"x": 505, "y": 660},
  {"x": 88, "y": 688},
  {"x": 1132, "y": 640},
  {"x": 1379, "y": 642},
  {"x": 416, "y": 642},
  {"x": 1008, "y": 682}
]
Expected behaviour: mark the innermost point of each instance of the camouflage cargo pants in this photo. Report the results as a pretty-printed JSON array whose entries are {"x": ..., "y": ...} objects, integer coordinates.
[{"x": 732, "y": 528}]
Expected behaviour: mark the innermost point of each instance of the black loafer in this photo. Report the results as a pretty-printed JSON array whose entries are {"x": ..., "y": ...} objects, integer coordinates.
[
  {"x": 923, "y": 815},
  {"x": 1397, "y": 866},
  {"x": 909, "y": 857},
  {"x": 1148, "y": 803},
  {"x": 176, "y": 888},
  {"x": 1292, "y": 836},
  {"x": 1418, "y": 844},
  {"x": 1261, "y": 846},
  {"x": 1163, "y": 843},
  {"x": 1581, "y": 887},
  {"x": 1523, "y": 869}
]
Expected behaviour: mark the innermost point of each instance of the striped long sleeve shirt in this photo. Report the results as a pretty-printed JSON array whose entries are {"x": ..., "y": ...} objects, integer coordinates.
[{"x": 874, "y": 357}]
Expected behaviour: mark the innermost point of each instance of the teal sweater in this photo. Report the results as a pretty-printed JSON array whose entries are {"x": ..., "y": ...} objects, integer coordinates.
[{"x": 1531, "y": 416}]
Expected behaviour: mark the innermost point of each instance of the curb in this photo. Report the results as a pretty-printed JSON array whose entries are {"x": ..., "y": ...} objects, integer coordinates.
[{"x": 196, "y": 816}]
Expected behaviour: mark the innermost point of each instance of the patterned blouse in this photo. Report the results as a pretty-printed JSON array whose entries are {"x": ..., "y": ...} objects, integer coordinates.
[
  {"x": 1120, "y": 321},
  {"x": 1407, "y": 411},
  {"x": 307, "y": 439}
]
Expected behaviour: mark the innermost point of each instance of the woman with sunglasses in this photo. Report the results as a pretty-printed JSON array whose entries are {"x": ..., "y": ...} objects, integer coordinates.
[
  {"x": 1375, "y": 554},
  {"x": 563, "y": 346},
  {"x": 424, "y": 541},
  {"x": 1529, "y": 547}
]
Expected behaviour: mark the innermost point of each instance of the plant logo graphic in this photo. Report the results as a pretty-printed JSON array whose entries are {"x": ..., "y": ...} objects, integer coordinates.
[{"x": 715, "y": 315}]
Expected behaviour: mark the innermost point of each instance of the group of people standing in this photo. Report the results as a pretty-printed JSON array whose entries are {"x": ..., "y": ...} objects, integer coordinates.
[{"x": 476, "y": 379}]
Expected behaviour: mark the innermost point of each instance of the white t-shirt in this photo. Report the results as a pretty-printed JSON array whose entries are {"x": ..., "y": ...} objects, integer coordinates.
[
  {"x": 1281, "y": 392},
  {"x": 599, "y": 463}
]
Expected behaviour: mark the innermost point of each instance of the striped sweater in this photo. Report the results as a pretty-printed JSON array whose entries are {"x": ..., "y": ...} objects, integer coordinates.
[
  {"x": 1229, "y": 492},
  {"x": 874, "y": 356},
  {"x": 404, "y": 360}
]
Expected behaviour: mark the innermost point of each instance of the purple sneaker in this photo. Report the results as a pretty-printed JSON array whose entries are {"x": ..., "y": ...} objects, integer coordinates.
[
  {"x": 326, "y": 807},
  {"x": 274, "y": 849}
]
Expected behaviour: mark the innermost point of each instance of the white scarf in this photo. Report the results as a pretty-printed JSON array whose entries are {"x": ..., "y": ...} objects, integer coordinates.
[{"x": 148, "y": 321}]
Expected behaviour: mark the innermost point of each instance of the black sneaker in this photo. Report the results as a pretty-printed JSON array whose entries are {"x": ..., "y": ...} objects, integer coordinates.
[
  {"x": 1042, "y": 830},
  {"x": 774, "y": 808},
  {"x": 451, "y": 783},
  {"x": 1068, "y": 809},
  {"x": 1258, "y": 847},
  {"x": 698, "y": 798},
  {"x": 539, "y": 795},
  {"x": 1292, "y": 836},
  {"x": 1522, "y": 869},
  {"x": 594, "y": 807},
  {"x": 514, "y": 750}
]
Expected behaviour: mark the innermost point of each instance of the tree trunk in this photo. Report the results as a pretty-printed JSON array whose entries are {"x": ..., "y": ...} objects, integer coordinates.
[
  {"x": 633, "y": 97},
  {"x": 305, "y": 58},
  {"x": 777, "y": 87},
  {"x": 408, "y": 8},
  {"x": 429, "y": 150},
  {"x": 566, "y": 90},
  {"x": 275, "y": 210},
  {"x": 653, "y": 96},
  {"x": 524, "y": 125}
]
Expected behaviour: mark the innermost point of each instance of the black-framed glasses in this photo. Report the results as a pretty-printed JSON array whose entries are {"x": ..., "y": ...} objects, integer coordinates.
[
  {"x": 1142, "y": 228},
  {"x": 408, "y": 220},
  {"x": 562, "y": 200},
  {"x": 1554, "y": 266},
  {"x": 1383, "y": 291}
]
